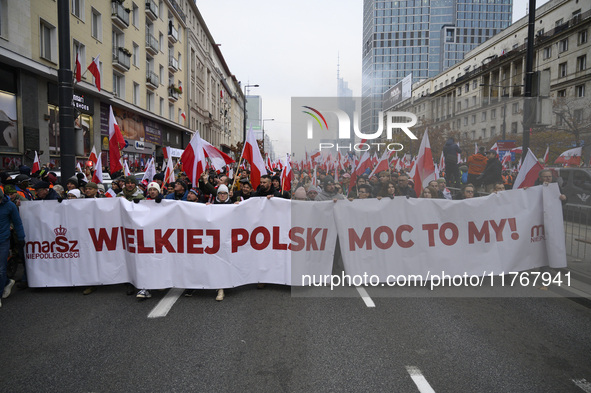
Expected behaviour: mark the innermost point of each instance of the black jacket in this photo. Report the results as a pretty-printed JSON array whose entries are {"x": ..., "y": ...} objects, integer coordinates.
[
  {"x": 451, "y": 151},
  {"x": 492, "y": 173}
]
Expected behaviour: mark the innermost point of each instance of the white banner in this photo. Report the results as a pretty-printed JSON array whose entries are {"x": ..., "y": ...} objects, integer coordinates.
[
  {"x": 506, "y": 232},
  {"x": 175, "y": 244},
  {"x": 190, "y": 245}
]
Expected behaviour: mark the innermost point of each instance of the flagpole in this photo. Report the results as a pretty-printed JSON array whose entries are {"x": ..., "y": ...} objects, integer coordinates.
[{"x": 236, "y": 177}]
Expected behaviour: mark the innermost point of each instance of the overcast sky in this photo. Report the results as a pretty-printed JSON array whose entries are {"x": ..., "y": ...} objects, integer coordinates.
[{"x": 291, "y": 49}]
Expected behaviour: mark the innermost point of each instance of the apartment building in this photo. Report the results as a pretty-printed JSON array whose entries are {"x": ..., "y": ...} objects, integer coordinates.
[
  {"x": 144, "y": 54},
  {"x": 482, "y": 96}
]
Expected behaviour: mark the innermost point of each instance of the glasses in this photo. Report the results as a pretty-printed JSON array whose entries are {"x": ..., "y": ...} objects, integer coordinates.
[
  {"x": 469, "y": 191},
  {"x": 222, "y": 193}
]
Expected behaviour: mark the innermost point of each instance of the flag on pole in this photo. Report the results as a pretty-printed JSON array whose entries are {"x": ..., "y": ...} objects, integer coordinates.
[
  {"x": 547, "y": 154},
  {"x": 286, "y": 175},
  {"x": 495, "y": 148},
  {"x": 116, "y": 143},
  {"x": 442, "y": 162},
  {"x": 183, "y": 115},
  {"x": 150, "y": 172},
  {"x": 364, "y": 164},
  {"x": 94, "y": 69},
  {"x": 93, "y": 156},
  {"x": 570, "y": 157},
  {"x": 506, "y": 160},
  {"x": 78, "y": 70},
  {"x": 97, "y": 176},
  {"x": 193, "y": 159},
  {"x": 382, "y": 165},
  {"x": 126, "y": 170},
  {"x": 218, "y": 158},
  {"x": 424, "y": 169},
  {"x": 517, "y": 150},
  {"x": 36, "y": 166},
  {"x": 252, "y": 154},
  {"x": 529, "y": 171},
  {"x": 169, "y": 173}
]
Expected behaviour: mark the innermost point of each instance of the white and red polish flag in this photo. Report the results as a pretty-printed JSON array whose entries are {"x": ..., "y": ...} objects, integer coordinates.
[
  {"x": 218, "y": 158},
  {"x": 93, "y": 158},
  {"x": 169, "y": 173},
  {"x": 36, "y": 165},
  {"x": 78, "y": 70},
  {"x": 286, "y": 175},
  {"x": 314, "y": 178},
  {"x": 183, "y": 115},
  {"x": 116, "y": 143},
  {"x": 268, "y": 163},
  {"x": 94, "y": 69},
  {"x": 126, "y": 170},
  {"x": 364, "y": 164},
  {"x": 424, "y": 168},
  {"x": 506, "y": 160},
  {"x": 97, "y": 176},
  {"x": 475, "y": 148},
  {"x": 78, "y": 167},
  {"x": 252, "y": 154},
  {"x": 442, "y": 162},
  {"x": 150, "y": 171},
  {"x": 495, "y": 148},
  {"x": 517, "y": 150},
  {"x": 529, "y": 171},
  {"x": 193, "y": 159},
  {"x": 547, "y": 154},
  {"x": 382, "y": 165},
  {"x": 570, "y": 157}
]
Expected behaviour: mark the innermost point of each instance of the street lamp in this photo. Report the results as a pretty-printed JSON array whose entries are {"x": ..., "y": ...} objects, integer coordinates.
[
  {"x": 264, "y": 120},
  {"x": 244, "y": 130}
]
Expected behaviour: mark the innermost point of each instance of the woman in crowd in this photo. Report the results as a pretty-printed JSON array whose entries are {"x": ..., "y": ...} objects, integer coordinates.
[
  {"x": 428, "y": 192},
  {"x": 389, "y": 190}
]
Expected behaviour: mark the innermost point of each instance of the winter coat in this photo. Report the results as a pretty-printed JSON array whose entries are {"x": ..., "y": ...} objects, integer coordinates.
[
  {"x": 9, "y": 214},
  {"x": 451, "y": 151},
  {"x": 476, "y": 164},
  {"x": 492, "y": 172}
]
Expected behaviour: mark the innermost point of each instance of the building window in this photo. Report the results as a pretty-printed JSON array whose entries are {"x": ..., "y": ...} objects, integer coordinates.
[
  {"x": 135, "y": 15},
  {"x": 474, "y": 84},
  {"x": 493, "y": 131},
  {"x": 136, "y": 54},
  {"x": 473, "y": 133},
  {"x": 48, "y": 41},
  {"x": 96, "y": 28},
  {"x": 161, "y": 106},
  {"x": 160, "y": 41},
  {"x": 78, "y": 9},
  {"x": 559, "y": 22},
  {"x": 493, "y": 113},
  {"x": 467, "y": 88},
  {"x": 466, "y": 104},
  {"x": 459, "y": 124},
  {"x": 483, "y": 116},
  {"x": 473, "y": 119},
  {"x": 180, "y": 119},
  {"x": 580, "y": 91},
  {"x": 582, "y": 37},
  {"x": 578, "y": 115},
  {"x": 563, "y": 45},
  {"x": 547, "y": 52},
  {"x": 119, "y": 85},
  {"x": 180, "y": 61},
  {"x": 484, "y": 133},
  {"x": 503, "y": 111},
  {"x": 161, "y": 74},
  {"x": 516, "y": 108},
  {"x": 514, "y": 128},
  {"x": 582, "y": 63},
  {"x": 459, "y": 105},
  {"x": 150, "y": 101},
  {"x": 3, "y": 18},
  {"x": 562, "y": 70},
  {"x": 171, "y": 112},
  {"x": 136, "y": 94},
  {"x": 465, "y": 121},
  {"x": 161, "y": 9},
  {"x": 561, "y": 93}
]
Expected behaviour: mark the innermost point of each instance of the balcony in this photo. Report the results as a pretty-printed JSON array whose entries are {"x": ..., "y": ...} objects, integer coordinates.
[
  {"x": 120, "y": 15},
  {"x": 151, "y": 44},
  {"x": 173, "y": 93},
  {"x": 152, "y": 80},
  {"x": 173, "y": 64},
  {"x": 151, "y": 10},
  {"x": 121, "y": 58},
  {"x": 173, "y": 34}
]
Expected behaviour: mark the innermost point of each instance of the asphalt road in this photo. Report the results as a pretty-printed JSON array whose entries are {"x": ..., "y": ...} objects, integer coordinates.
[{"x": 57, "y": 340}]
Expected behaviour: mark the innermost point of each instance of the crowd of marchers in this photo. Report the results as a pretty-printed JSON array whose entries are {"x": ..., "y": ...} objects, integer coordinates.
[{"x": 481, "y": 175}]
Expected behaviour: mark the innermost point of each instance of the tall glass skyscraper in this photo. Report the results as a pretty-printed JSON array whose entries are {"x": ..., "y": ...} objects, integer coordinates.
[{"x": 422, "y": 38}]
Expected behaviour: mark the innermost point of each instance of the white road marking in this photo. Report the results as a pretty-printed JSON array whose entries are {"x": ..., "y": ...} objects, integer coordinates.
[
  {"x": 365, "y": 297},
  {"x": 164, "y": 305},
  {"x": 583, "y": 384},
  {"x": 419, "y": 380}
]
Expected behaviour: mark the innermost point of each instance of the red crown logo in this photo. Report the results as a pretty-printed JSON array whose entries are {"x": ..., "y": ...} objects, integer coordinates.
[{"x": 61, "y": 231}]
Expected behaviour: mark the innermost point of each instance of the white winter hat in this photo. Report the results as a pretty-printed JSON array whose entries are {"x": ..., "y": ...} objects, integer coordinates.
[
  {"x": 223, "y": 188},
  {"x": 154, "y": 185},
  {"x": 74, "y": 192}
]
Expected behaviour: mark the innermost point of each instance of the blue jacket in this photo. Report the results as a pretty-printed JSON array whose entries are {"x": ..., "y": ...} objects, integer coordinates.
[
  {"x": 173, "y": 196},
  {"x": 9, "y": 214}
]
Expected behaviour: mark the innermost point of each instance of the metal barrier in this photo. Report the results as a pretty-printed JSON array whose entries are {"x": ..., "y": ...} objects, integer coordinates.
[{"x": 577, "y": 225}]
